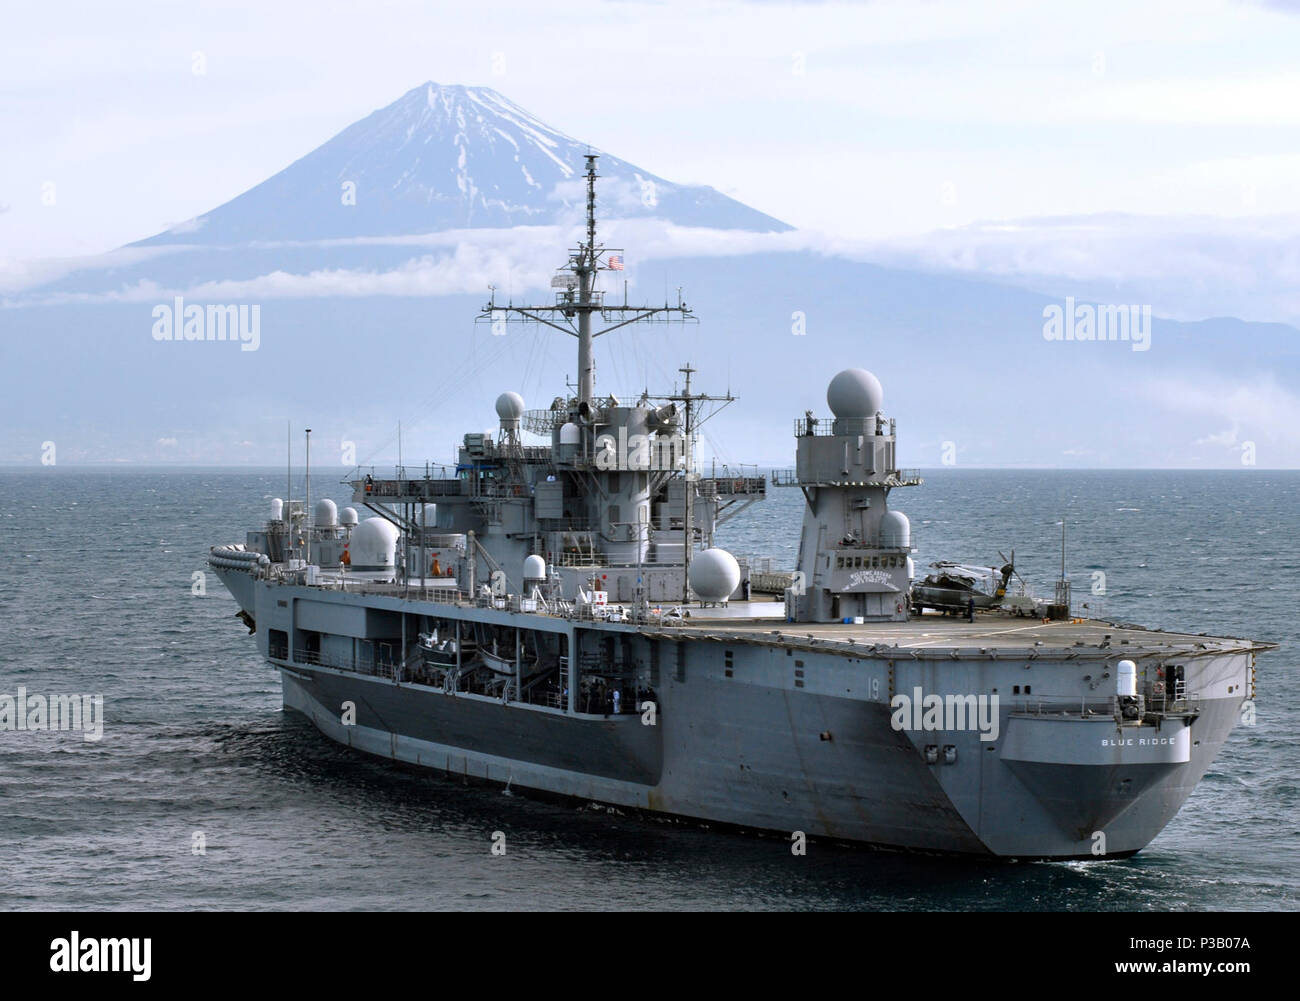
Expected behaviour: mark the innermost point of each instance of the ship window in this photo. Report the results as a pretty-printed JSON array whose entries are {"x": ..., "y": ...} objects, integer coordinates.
[
  {"x": 613, "y": 483},
  {"x": 1027, "y": 691},
  {"x": 857, "y": 563},
  {"x": 875, "y": 562},
  {"x": 278, "y": 644},
  {"x": 1015, "y": 689},
  {"x": 839, "y": 562}
]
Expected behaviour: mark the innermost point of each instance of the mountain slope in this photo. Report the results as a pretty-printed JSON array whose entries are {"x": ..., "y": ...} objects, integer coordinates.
[{"x": 450, "y": 157}]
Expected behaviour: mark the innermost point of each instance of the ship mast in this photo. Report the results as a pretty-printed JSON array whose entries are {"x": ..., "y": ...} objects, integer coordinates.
[{"x": 577, "y": 299}]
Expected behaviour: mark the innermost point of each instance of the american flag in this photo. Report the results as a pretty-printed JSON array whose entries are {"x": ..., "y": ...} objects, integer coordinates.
[{"x": 615, "y": 262}]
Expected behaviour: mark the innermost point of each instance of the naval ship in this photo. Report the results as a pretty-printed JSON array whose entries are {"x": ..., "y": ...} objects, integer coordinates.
[{"x": 556, "y": 617}]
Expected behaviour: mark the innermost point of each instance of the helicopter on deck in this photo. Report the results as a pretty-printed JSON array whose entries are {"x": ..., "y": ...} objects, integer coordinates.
[{"x": 951, "y": 587}]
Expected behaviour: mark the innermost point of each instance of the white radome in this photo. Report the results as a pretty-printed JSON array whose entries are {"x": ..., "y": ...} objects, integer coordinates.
[
  {"x": 534, "y": 568},
  {"x": 326, "y": 513},
  {"x": 895, "y": 530},
  {"x": 855, "y": 395},
  {"x": 714, "y": 575},
  {"x": 277, "y": 509},
  {"x": 348, "y": 517},
  {"x": 510, "y": 406},
  {"x": 374, "y": 545},
  {"x": 570, "y": 434}
]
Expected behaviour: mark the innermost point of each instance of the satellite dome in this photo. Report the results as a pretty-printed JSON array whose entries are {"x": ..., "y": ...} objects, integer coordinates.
[
  {"x": 570, "y": 434},
  {"x": 348, "y": 516},
  {"x": 374, "y": 545},
  {"x": 714, "y": 575},
  {"x": 895, "y": 530},
  {"x": 534, "y": 568},
  {"x": 326, "y": 513},
  {"x": 855, "y": 395},
  {"x": 277, "y": 509},
  {"x": 510, "y": 406}
]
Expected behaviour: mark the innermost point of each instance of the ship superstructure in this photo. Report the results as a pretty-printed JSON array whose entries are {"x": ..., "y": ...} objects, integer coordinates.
[{"x": 556, "y": 616}]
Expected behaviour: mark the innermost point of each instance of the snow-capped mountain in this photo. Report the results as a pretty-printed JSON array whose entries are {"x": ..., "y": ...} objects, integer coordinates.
[
  {"x": 368, "y": 260},
  {"x": 451, "y": 157}
]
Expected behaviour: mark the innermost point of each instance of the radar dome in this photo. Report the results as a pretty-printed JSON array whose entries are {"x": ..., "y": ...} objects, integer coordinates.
[
  {"x": 326, "y": 513},
  {"x": 348, "y": 517},
  {"x": 510, "y": 406},
  {"x": 534, "y": 568},
  {"x": 277, "y": 509},
  {"x": 895, "y": 530},
  {"x": 714, "y": 575},
  {"x": 570, "y": 434},
  {"x": 374, "y": 545},
  {"x": 855, "y": 395}
]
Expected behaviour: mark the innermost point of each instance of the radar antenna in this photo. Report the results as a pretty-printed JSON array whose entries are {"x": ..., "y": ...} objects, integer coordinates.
[{"x": 577, "y": 298}]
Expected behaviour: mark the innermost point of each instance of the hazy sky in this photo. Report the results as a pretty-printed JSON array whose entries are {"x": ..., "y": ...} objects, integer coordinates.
[{"x": 866, "y": 121}]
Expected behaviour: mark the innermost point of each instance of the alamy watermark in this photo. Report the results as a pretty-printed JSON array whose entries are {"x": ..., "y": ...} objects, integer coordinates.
[
  {"x": 55, "y": 712},
  {"x": 640, "y": 451},
  {"x": 1086, "y": 322},
  {"x": 176, "y": 321},
  {"x": 75, "y": 954},
  {"x": 920, "y": 712}
]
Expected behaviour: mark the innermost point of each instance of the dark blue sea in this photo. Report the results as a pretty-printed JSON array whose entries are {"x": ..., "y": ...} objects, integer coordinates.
[{"x": 96, "y": 597}]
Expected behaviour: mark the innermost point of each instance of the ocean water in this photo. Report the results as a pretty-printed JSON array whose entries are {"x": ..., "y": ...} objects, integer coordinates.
[{"x": 96, "y": 598}]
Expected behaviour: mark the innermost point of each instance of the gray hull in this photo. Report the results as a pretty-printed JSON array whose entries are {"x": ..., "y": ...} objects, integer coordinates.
[{"x": 753, "y": 750}]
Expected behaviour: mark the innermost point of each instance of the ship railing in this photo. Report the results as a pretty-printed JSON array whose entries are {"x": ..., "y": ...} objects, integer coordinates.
[
  {"x": 889, "y": 478},
  {"x": 1062, "y": 705},
  {"x": 434, "y": 487},
  {"x": 807, "y": 427},
  {"x": 579, "y": 559},
  {"x": 567, "y": 524},
  {"x": 733, "y": 486},
  {"x": 1120, "y": 709},
  {"x": 360, "y": 665},
  {"x": 1183, "y": 702}
]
